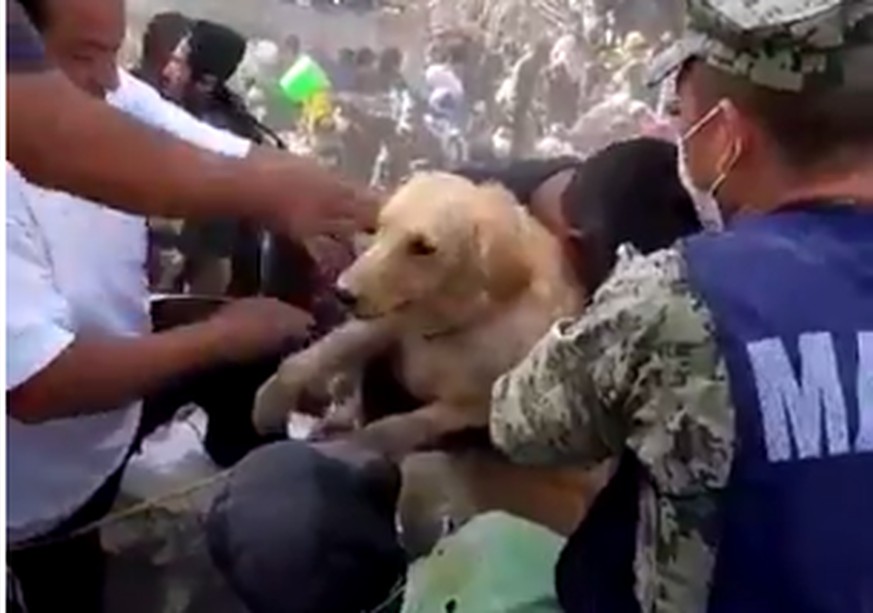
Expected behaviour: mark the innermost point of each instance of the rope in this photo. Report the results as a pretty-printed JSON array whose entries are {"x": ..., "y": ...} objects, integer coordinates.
[
  {"x": 117, "y": 516},
  {"x": 395, "y": 593},
  {"x": 147, "y": 505}
]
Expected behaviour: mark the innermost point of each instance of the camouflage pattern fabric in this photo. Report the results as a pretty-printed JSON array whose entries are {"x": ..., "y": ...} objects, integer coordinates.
[
  {"x": 788, "y": 45},
  {"x": 640, "y": 370}
]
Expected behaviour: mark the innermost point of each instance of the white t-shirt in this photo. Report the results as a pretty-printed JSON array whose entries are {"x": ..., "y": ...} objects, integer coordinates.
[
  {"x": 77, "y": 267},
  {"x": 73, "y": 267},
  {"x": 141, "y": 100}
]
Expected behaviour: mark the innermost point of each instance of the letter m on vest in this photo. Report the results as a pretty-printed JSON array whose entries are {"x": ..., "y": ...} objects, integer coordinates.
[
  {"x": 791, "y": 296},
  {"x": 806, "y": 416}
]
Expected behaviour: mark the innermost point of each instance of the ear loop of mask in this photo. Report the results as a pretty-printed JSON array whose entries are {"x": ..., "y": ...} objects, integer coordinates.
[
  {"x": 727, "y": 163},
  {"x": 701, "y": 123},
  {"x": 729, "y": 160}
]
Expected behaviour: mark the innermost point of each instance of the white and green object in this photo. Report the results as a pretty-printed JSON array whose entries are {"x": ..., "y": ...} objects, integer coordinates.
[
  {"x": 303, "y": 80},
  {"x": 496, "y": 563}
]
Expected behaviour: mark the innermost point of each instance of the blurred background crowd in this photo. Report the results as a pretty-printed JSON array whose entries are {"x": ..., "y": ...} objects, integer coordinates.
[{"x": 378, "y": 89}]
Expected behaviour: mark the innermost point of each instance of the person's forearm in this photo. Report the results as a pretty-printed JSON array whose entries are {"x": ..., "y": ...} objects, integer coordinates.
[
  {"x": 99, "y": 375},
  {"x": 96, "y": 151}
]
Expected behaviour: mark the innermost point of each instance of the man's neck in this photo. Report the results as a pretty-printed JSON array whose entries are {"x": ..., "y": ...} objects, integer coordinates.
[{"x": 853, "y": 186}]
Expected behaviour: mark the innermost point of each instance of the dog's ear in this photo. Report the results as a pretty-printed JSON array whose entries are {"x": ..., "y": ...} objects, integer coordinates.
[{"x": 500, "y": 244}]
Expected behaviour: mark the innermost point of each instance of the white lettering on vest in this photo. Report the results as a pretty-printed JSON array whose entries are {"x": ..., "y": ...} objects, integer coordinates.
[
  {"x": 864, "y": 441},
  {"x": 792, "y": 410}
]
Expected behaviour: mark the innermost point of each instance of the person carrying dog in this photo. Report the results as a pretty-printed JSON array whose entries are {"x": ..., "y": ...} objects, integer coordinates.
[{"x": 732, "y": 373}]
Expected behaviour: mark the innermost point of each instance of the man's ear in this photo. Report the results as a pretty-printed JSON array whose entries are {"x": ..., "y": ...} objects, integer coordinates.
[{"x": 499, "y": 240}]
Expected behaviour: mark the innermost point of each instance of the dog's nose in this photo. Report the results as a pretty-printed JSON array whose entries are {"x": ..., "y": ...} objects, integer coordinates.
[{"x": 346, "y": 298}]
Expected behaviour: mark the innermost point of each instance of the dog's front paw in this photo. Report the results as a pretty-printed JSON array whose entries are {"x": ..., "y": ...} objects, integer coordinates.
[
  {"x": 298, "y": 386},
  {"x": 273, "y": 404},
  {"x": 333, "y": 427}
]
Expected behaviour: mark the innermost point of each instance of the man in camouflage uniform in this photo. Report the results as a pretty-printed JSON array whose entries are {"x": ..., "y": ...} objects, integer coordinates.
[{"x": 733, "y": 373}]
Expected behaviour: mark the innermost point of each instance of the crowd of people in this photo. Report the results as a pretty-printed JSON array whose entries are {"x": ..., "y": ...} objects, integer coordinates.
[
  {"x": 377, "y": 122},
  {"x": 478, "y": 102},
  {"x": 711, "y": 194}
]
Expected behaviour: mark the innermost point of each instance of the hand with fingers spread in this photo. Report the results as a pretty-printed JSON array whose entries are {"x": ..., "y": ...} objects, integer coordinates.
[{"x": 305, "y": 199}]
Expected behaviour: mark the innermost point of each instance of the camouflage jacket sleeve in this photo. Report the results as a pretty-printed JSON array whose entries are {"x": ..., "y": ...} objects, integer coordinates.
[
  {"x": 640, "y": 371},
  {"x": 637, "y": 370}
]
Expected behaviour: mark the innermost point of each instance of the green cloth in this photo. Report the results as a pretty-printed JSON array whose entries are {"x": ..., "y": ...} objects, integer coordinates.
[
  {"x": 496, "y": 563},
  {"x": 303, "y": 80}
]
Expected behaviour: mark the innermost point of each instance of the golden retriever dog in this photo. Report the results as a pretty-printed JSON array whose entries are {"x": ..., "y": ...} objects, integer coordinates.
[{"x": 464, "y": 281}]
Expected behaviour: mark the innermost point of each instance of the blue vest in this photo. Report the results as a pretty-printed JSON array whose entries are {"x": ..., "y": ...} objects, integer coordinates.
[{"x": 792, "y": 300}]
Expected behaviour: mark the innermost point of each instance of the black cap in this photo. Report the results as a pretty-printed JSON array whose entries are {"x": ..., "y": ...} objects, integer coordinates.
[
  {"x": 215, "y": 50},
  {"x": 300, "y": 531}
]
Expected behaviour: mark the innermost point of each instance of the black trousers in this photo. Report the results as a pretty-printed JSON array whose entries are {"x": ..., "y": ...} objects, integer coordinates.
[{"x": 68, "y": 574}]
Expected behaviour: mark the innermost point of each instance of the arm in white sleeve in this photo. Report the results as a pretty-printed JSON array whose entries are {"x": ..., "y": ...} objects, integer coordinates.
[
  {"x": 142, "y": 101},
  {"x": 38, "y": 317}
]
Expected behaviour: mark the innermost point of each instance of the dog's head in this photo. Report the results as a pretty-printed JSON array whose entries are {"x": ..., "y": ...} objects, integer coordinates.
[{"x": 445, "y": 249}]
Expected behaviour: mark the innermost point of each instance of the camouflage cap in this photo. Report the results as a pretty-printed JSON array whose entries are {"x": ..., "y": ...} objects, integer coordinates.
[{"x": 788, "y": 45}]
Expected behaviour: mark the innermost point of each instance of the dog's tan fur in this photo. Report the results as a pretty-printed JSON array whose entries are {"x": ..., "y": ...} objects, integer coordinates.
[{"x": 466, "y": 281}]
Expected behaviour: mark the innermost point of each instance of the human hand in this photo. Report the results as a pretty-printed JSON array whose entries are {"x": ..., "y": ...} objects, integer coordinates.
[
  {"x": 306, "y": 199},
  {"x": 334, "y": 206},
  {"x": 255, "y": 326}
]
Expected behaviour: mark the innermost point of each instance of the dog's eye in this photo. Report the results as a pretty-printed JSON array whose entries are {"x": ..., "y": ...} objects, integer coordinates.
[{"x": 420, "y": 246}]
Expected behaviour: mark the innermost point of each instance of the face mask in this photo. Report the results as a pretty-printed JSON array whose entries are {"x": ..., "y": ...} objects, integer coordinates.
[{"x": 705, "y": 203}]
